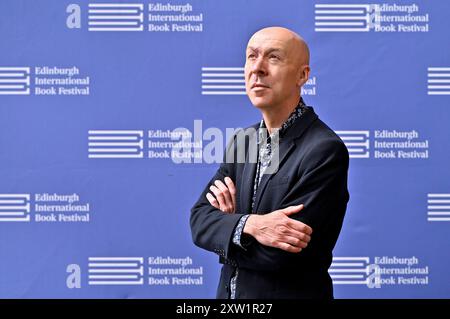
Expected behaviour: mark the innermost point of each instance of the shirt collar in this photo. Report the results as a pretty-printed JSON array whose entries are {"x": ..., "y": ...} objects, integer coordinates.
[{"x": 298, "y": 111}]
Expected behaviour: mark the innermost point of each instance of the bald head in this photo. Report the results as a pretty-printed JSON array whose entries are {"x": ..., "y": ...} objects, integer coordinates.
[{"x": 294, "y": 44}]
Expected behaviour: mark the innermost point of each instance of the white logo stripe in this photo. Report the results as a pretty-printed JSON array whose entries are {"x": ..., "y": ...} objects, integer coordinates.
[
  {"x": 16, "y": 219},
  {"x": 138, "y": 259},
  {"x": 132, "y": 23},
  {"x": 139, "y": 17},
  {"x": 12, "y": 86},
  {"x": 365, "y": 259},
  {"x": 25, "y": 196},
  {"x": 117, "y": 29},
  {"x": 223, "y": 86},
  {"x": 438, "y": 93},
  {"x": 366, "y": 144},
  {"x": 24, "y": 69},
  {"x": 140, "y": 270},
  {"x": 353, "y": 282},
  {"x": 12, "y": 75},
  {"x": 439, "y": 75},
  {"x": 439, "y": 69},
  {"x": 352, "y": 138},
  {"x": 12, "y": 201},
  {"x": 140, "y": 282},
  {"x": 438, "y": 219},
  {"x": 135, "y": 264},
  {"x": 438, "y": 207},
  {"x": 439, "y": 195},
  {"x": 228, "y": 75},
  {"x": 112, "y": 150},
  {"x": 347, "y": 276},
  {"x": 110, "y": 138},
  {"x": 222, "y": 81},
  {"x": 21, "y": 80},
  {"x": 438, "y": 86},
  {"x": 365, "y": 133},
  {"x": 222, "y": 69},
  {"x": 133, "y": 11},
  {"x": 223, "y": 93},
  {"x": 26, "y": 92},
  {"x": 26, "y": 207},
  {"x": 362, "y": 270},
  {"x": 140, "y": 133},
  {"x": 364, "y": 18},
  {"x": 12, "y": 213},
  {"x": 140, "y": 143},
  {"x": 340, "y": 23},
  {"x": 439, "y": 201},
  {"x": 438, "y": 81},
  {"x": 139, "y": 155},
  {"x": 116, "y": 5},
  {"x": 113, "y": 276},
  {"x": 324, "y": 5},
  {"x": 338, "y": 264},
  {"x": 354, "y": 11}
]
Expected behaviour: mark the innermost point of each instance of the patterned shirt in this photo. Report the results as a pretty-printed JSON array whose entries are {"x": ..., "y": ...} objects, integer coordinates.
[{"x": 264, "y": 158}]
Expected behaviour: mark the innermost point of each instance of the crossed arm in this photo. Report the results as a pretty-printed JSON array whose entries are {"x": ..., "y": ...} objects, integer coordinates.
[{"x": 275, "y": 229}]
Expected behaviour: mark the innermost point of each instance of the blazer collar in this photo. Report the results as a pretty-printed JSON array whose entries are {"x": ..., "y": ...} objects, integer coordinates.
[
  {"x": 286, "y": 144},
  {"x": 248, "y": 176}
]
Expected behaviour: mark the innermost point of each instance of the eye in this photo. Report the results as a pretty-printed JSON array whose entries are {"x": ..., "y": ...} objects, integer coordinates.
[
  {"x": 251, "y": 56},
  {"x": 274, "y": 57}
]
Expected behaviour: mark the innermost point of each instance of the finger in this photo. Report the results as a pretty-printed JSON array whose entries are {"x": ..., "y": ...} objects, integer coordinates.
[
  {"x": 227, "y": 196},
  {"x": 218, "y": 195},
  {"x": 295, "y": 241},
  {"x": 292, "y": 209},
  {"x": 289, "y": 248},
  {"x": 229, "y": 207},
  {"x": 212, "y": 200},
  {"x": 300, "y": 227},
  {"x": 293, "y": 236},
  {"x": 232, "y": 189}
]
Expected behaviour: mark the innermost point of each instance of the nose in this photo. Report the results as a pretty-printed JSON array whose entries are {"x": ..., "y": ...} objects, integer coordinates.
[{"x": 258, "y": 67}]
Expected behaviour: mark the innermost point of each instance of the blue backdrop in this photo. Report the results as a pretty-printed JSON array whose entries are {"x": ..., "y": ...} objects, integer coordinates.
[{"x": 92, "y": 204}]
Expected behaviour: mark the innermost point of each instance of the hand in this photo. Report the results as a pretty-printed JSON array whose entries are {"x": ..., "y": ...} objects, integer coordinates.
[
  {"x": 277, "y": 230},
  {"x": 225, "y": 195}
]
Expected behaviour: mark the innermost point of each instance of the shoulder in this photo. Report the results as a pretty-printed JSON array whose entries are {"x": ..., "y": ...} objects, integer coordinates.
[{"x": 322, "y": 142}]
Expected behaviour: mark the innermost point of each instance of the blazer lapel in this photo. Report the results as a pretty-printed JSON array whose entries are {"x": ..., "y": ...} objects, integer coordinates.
[
  {"x": 248, "y": 178},
  {"x": 283, "y": 150},
  {"x": 286, "y": 144}
]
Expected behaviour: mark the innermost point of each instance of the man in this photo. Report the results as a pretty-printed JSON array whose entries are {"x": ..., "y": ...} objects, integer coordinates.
[{"x": 275, "y": 231}]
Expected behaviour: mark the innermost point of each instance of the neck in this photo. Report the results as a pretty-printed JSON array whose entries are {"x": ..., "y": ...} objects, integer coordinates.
[{"x": 275, "y": 117}]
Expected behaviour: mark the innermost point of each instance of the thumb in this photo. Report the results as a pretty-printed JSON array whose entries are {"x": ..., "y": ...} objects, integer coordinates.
[{"x": 292, "y": 209}]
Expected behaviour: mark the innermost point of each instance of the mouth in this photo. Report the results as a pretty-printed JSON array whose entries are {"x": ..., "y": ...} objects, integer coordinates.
[{"x": 259, "y": 86}]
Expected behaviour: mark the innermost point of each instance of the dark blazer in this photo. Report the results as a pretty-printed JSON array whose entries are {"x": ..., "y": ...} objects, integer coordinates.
[{"x": 313, "y": 171}]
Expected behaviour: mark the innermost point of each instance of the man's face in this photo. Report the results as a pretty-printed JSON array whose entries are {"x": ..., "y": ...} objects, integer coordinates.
[{"x": 271, "y": 70}]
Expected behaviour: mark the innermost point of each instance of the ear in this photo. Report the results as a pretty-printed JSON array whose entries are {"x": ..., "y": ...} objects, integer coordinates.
[{"x": 303, "y": 75}]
